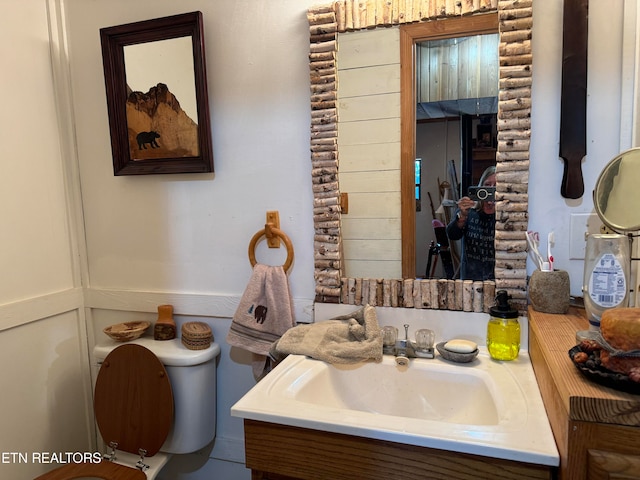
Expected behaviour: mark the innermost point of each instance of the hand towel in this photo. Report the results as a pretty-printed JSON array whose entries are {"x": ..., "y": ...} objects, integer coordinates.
[
  {"x": 350, "y": 338},
  {"x": 265, "y": 312}
]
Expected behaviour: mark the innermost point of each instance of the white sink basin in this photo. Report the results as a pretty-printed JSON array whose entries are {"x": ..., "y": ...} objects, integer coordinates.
[
  {"x": 429, "y": 391},
  {"x": 484, "y": 407}
]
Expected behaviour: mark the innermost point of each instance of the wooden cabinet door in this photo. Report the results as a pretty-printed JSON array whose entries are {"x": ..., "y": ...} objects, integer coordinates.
[{"x": 605, "y": 465}]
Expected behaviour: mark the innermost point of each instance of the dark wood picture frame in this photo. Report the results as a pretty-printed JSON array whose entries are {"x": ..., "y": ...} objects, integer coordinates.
[
  {"x": 485, "y": 136},
  {"x": 114, "y": 40}
]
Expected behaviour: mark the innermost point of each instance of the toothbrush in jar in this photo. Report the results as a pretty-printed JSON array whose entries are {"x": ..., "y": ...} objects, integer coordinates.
[{"x": 534, "y": 240}]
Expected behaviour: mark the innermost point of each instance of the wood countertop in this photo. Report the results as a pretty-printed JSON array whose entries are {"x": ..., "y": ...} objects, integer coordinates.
[{"x": 551, "y": 336}]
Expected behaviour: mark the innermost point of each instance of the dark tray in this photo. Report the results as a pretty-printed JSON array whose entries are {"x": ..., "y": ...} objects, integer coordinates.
[{"x": 605, "y": 377}]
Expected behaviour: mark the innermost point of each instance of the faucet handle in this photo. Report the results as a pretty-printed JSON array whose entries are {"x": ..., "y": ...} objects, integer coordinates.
[
  {"x": 389, "y": 335},
  {"x": 425, "y": 339},
  {"x": 424, "y": 343},
  {"x": 389, "y": 338}
]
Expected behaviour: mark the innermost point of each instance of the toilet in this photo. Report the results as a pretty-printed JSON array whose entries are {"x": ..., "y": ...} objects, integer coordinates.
[{"x": 152, "y": 399}]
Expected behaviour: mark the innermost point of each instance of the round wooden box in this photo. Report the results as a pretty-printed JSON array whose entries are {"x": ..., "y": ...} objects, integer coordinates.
[{"x": 196, "y": 335}]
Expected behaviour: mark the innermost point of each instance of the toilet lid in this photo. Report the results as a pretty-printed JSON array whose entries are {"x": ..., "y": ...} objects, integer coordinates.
[{"x": 133, "y": 401}]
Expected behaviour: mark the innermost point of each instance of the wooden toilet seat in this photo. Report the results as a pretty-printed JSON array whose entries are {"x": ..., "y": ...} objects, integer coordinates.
[{"x": 106, "y": 470}]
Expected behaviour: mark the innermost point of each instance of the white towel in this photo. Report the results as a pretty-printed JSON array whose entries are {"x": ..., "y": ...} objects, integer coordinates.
[
  {"x": 264, "y": 314},
  {"x": 351, "y": 338}
]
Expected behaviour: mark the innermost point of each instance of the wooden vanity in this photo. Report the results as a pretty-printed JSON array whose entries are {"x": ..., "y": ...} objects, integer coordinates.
[
  {"x": 597, "y": 429},
  {"x": 281, "y": 452}
]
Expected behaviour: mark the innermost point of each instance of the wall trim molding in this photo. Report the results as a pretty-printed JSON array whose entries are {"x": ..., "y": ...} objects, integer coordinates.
[
  {"x": 29, "y": 310},
  {"x": 196, "y": 304},
  {"x": 38, "y": 308}
]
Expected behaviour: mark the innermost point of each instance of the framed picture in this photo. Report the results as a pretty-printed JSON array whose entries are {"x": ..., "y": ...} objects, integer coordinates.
[
  {"x": 484, "y": 136},
  {"x": 156, "y": 85}
]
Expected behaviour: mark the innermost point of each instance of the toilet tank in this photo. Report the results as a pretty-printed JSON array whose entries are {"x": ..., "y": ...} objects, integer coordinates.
[{"x": 193, "y": 382}]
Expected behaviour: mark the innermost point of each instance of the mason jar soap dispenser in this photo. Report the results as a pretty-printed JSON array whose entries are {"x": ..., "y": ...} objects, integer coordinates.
[{"x": 503, "y": 330}]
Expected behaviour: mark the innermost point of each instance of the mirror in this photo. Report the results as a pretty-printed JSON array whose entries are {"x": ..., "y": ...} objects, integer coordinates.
[
  {"x": 155, "y": 80},
  {"x": 513, "y": 132},
  {"x": 616, "y": 192}
]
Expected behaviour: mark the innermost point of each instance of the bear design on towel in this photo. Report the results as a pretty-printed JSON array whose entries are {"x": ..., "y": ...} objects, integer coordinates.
[{"x": 260, "y": 313}]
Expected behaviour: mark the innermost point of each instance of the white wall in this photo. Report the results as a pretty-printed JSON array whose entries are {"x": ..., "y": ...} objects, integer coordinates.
[
  {"x": 183, "y": 239},
  {"x": 548, "y": 210},
  {"x": 36, "y": 249},
  {"x": 44, "y": 372}
]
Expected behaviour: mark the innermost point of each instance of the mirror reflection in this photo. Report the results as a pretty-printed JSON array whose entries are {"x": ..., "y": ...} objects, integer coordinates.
[
  {"x": 457, "y": 103},
  {"x": 455, "y": 141},
  {"x": 474, "y": 225},
  {"x": 369, "y": 149},
  {"x": 617, "y": 190}
]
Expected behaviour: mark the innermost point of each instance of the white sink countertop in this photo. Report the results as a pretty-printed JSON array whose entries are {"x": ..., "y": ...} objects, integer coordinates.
[{"x": 431, "y": 403}]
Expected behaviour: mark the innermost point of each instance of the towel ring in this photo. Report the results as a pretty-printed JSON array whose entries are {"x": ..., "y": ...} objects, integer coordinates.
[{"x": 267, "y": 232}]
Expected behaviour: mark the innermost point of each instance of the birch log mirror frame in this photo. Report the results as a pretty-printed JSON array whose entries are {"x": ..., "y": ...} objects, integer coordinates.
[
  {"x": 515, "y": 23},
  {"x": 151, "y": 132}
]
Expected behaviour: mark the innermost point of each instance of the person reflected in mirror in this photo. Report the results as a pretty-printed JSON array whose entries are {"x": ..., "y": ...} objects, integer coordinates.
[{"x": 474, "y": 224}]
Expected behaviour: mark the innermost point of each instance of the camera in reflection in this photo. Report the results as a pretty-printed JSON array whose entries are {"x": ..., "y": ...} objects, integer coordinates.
[{"x": 482, "y": 194}]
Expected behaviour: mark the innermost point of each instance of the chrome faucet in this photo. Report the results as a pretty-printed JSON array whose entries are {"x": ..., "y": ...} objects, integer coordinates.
[{"x": 404, "y": 349}]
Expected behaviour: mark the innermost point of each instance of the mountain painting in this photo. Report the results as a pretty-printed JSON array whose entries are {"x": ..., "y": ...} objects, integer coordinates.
[{"x": 158, "y": 127}]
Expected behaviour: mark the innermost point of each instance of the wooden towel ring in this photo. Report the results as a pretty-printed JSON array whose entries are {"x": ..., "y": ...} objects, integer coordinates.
[{"x": 268, "y": 231}]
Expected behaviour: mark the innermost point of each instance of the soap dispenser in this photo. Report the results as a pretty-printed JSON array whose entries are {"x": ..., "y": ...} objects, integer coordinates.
[{"x": 503, "y": 330}]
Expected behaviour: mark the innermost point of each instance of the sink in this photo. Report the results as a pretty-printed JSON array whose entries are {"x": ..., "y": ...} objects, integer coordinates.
[
  {"x": 484, "y": 407},
  {"x": 426, "y": 391}
]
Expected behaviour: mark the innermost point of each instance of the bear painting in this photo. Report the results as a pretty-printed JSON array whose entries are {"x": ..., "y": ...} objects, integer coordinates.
[{"x": 144, "y": 138}]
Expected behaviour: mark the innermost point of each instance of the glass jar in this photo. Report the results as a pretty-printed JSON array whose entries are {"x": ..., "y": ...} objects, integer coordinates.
[
  {"x": 503, "y": 329},
  {"x": 606, "y": 275}
]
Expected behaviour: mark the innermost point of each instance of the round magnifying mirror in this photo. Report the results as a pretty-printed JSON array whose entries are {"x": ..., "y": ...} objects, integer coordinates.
[{"x": 617, "y": 193}]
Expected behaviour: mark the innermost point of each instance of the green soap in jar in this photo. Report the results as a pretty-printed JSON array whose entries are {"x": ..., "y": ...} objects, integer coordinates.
[{"x": 503, "y": 330}]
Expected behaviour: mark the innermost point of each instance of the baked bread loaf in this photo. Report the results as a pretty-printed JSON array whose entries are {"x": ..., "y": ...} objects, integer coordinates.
[{"x": 620, "y": 327}]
